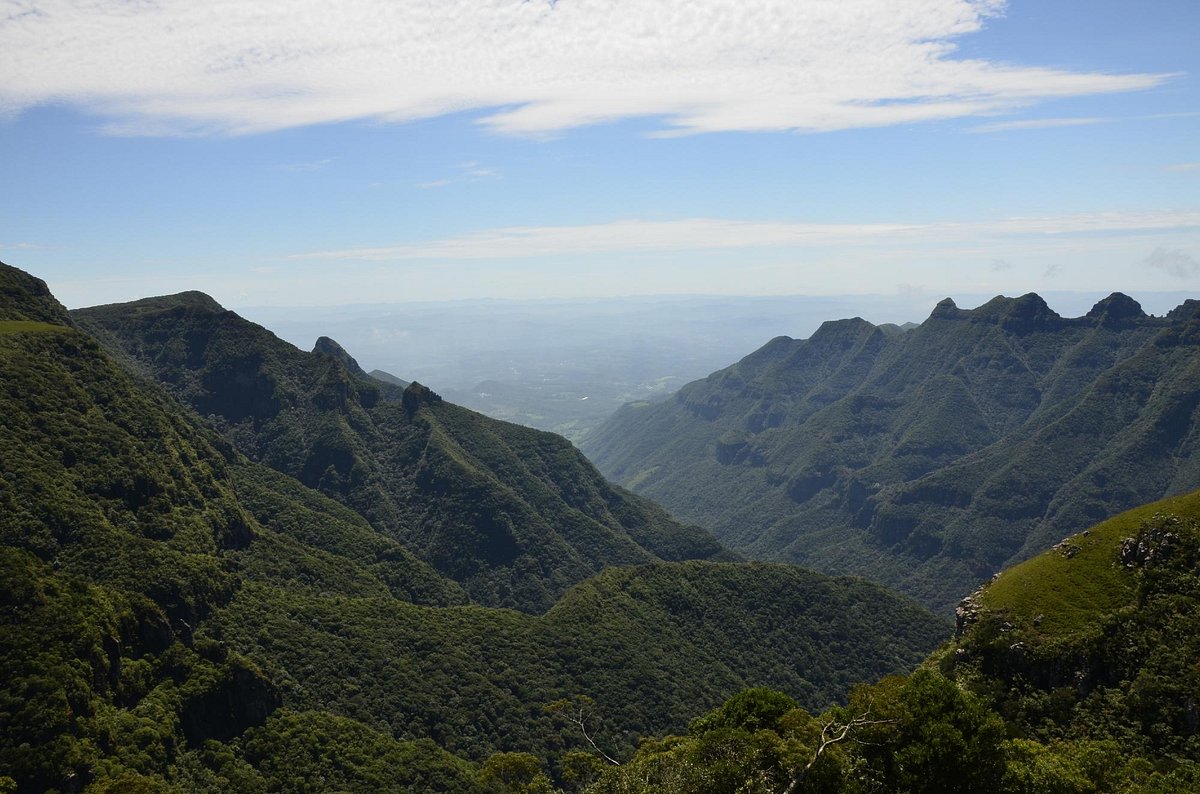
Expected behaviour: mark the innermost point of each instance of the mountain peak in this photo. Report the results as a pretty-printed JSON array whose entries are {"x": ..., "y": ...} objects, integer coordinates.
[
  {"x": 26, "y": 297},
  {"x": 191, "y": 299},
  {"x": 329, "y": 347},
  {"x": 1187, "y": 310},
  {"x": 416, "y": 395},
  {"x": 200, "y": 300},
  {"x": 946, "y": 309},
  {"x": 1028, "y": 306},
  {"x": 1116, "y": 308},
  {"x": 1021, "y": 315}
]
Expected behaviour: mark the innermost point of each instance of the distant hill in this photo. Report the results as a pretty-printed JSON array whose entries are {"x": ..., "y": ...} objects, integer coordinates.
[
  {"x": 177, "y": 617},
  {"x": 388, "y": 377},
  {"x": 516, "y": 516},
  {"x": 927, "y": 459}
]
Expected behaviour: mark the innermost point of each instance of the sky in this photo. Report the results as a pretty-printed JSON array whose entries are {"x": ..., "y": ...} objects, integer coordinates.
[{"x": 367, "y": 151}]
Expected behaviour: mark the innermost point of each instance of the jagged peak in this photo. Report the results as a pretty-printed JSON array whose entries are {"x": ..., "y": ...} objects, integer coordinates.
[
  {"x": 946, "y": 309},
  {"x": 1028, "y": 306},
  {"x": 329, "y": 347},
  {"x": 416, "y": 395},
  {"x": 1117, "y": 307},
  {"x": 1024, "y": 313}
]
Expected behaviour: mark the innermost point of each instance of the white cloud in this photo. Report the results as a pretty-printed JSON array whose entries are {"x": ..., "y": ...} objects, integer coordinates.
[
  {"x": 534, "y": 67},
  {"x": 1040, "y": 124},
  {"x": 1183, "y": 167},
  {"x": 1174, "y": 262},
  {"x": 715, "y": 233}
]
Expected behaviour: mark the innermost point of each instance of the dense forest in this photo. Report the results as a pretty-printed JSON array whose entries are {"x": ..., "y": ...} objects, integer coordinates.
[
  {"x": 930, "y": 458},
  {"x": 178, "y": 615},
  {"x": 1072, "y": 672}
]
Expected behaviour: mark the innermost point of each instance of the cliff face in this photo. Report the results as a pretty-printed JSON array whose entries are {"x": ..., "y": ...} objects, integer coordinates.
[{"x": 927, "y": 459}]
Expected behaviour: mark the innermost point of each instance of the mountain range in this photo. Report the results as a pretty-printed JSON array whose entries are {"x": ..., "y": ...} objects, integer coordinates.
[
  {"x": 229, "y": 564},
  {"x": 926, "y": 458}
]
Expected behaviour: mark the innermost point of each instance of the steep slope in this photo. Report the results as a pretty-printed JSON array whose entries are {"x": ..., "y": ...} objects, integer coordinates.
[
  {"x": 931, "y": 458},
  {"x": 514, "y": 515},
  {"x": 162, "y": 597},
  {"x": 1074, "y": 671},
  {"x": 121, "y": 531}
]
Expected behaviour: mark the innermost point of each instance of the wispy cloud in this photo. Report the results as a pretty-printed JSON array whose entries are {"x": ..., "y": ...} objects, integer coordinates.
[
  {"x": 1173, "y": 262},
  {"x": 19, "y": 247},
  {"x": 470, "y": 171},
  {"x": 532, "y": 67},
  {"x": 1079, "y": 121},
  {"x": 1183, "y": 167},
  {"x": 311, "y": 165},
  {"x": 1040, "y": 124},
  {"x": 714, "y": 233}
]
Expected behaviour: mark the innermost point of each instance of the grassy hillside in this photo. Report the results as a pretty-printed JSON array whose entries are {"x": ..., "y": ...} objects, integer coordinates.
[
  {"x": 932, "y": 458},
  {"x": 514, "y": 515}
]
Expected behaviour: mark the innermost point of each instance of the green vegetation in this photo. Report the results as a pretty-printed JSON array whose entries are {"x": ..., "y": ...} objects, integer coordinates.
[
  {"x": 514, "y": 515},
  {"x": 1043, "y": 690},
  {"x": 177, "y": 617},
  {"x": 926, "y": 460}
]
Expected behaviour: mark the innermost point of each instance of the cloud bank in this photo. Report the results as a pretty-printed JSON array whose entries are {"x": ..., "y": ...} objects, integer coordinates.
[
  {"x": 532, "y": 67},
  {"x": 693, "y": 234}
]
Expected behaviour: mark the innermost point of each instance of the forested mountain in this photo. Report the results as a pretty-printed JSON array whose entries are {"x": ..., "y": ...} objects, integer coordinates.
[
  {"x": 516, "y": 516},
  {"x": 175, "y": 616},
  {"x": 926, "y": 459},
  {"x": 1072, "y": 672}
]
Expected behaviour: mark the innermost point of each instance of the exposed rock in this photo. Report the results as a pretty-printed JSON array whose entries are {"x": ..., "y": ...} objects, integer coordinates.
[{"x": 966, "y": 614}]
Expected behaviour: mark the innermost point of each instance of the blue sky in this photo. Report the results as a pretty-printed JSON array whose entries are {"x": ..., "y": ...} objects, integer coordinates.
[{"x": 284, "y": 154}]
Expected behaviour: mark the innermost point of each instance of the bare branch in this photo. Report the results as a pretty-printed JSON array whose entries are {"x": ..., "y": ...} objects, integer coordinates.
[
  {"x": 833, "y": 733},
  {"x": 575, "y": 711}
]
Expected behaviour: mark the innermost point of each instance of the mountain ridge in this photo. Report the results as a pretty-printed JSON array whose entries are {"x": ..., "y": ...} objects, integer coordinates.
[
  {"x": 910, "y": 457},
  {"x": 177, "y": 617},
  {"x": 405, "y": 460}
]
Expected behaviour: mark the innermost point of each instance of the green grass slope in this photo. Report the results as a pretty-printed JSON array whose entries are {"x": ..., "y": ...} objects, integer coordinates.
[{"x": 928, "y": 459}]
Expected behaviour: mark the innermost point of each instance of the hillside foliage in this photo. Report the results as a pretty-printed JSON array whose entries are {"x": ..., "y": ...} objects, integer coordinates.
[
  {"x": 1044, "y": 690},
  {"x": 175, "y": 616}
]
